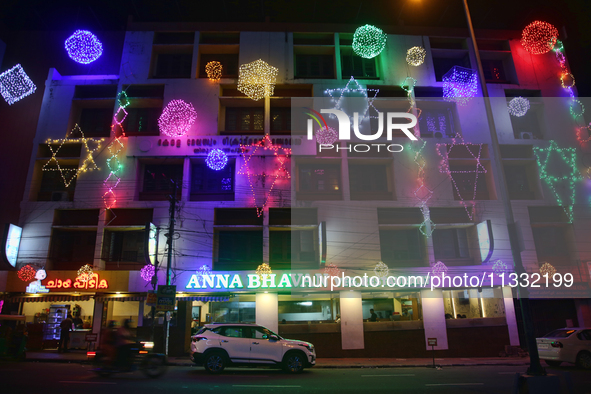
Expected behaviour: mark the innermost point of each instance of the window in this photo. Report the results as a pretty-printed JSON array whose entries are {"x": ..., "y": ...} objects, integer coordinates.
[
  {"x": 314, "y": 66},
  {"x": 474, "y": 304},
  {"x": 245, "y": 119},
  {"x": 95, "y": 122},
  {"x": 123, "y": 246},
  {"x": 142, "y": 121},
  {"x": 281, "y": 120},
  {"x": 552, "y": 244},
  {"x": 437, "y": 122},
  {"x": 322, "y": 308},
  {"x": 72, "y": 248},
  {"x": 494, "y": 71},
  {"x": 210, "y": 185},
  {"x": 243, "y": 311},
  {"x": 370, "y": 181},
  {"x": 353, "y": 65},
  {"x": 158, "y": 181},
  {"x": 172, "y": 55},
  {"x": 229, "y": 63},
  {"x": 52, "y": 186},
  {"x": 173, "y": 65},
  {"x": 443, "y": 61},
  {"x": 464, "y": 182},
  {"x": 521, "y": 181},
  {"x": 451, "y": 244},
  {"x": 239, "y": 250},
  {"x": 319, "y": 180},
  {"x": 401, "y": 247},
  {"x": 528, "y": 126},
  {"x": 286, "y": 247}
]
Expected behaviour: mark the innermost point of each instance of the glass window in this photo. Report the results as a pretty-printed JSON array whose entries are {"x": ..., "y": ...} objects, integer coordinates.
[
  {"x": 369, "y": 181},
  {"x": 437, "y": 123},
  {"x": 450, "y": 243},
  {"x": 471, "y": 304},
  {"x": 71, "y": 248},
  {"x": 158, "y": 181},
  {"x": 295, "y": 309},
  {"x": 550, "y": 242},
  {"x": 320, "y": 177},
  {"x": 401, "y": 307},
  {"x": 239, "y": 249},
  {"x": 244, "y": 119},
  {"x": 442, "y": 63},
  {"x": 464, "y": 176},
  {"x": 96, "y": 122},
  {"x": 399, "y": 246},
  {"x": 242, "y": 311},
  {"x": 123, "y": 246},
  {"x": 353, "y": 65},
  {"x": 293, "y": 245},
  {"x": 210, "y": 185},
  {"x": 173, "y": 65},
  {"x": 281, "y": 119},
  {"x": 229, "y": 63},
  {"x": 314, "y": 66},
  {"x": 143, "y": 121}
]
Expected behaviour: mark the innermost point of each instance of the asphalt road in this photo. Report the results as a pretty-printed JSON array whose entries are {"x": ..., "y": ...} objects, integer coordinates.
[{"x": 30, "y": 377}]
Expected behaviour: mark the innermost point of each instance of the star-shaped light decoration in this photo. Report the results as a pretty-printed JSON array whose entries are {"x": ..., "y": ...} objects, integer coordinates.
[
  {"x": 259, "y": 169},
  {"x": 68, "y": 175},
  {"x": 353, "y": 87},
  {"x": 562, "y": 178}
]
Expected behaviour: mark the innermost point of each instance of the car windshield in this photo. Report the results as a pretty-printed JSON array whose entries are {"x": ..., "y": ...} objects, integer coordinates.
[{"x": 560, "y": 334}]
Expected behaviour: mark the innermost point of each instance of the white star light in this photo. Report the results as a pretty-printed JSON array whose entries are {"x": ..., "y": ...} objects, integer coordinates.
[{"x": 351, "y": 87}]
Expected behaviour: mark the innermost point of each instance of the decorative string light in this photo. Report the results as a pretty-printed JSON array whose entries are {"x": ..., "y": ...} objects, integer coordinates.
[
  {"x": 331, "y": 270},
  {"x": 460, "y": 84},
  {"x": 216, "y": 159},
  {"x": 438, "y": 269},
  {"x": 15, "y": 84},
  {"x": 326, "y": 135},
  {"x": 584, "y": 134},
  {"x": 422, "y": 192},
  {"x": 248, "y": 151},
  {"x": 177, "y": 118},
  {"x": 518, "y": 106},
  {"x": 203, "y": 270},
  {"x": 114, "y": 165},
  {"x": 263, "y": 270},
  {"x": 539, "y": 37},
  {"x": 87, "y": 165},
  {"x": 148, "y": 272},
  {"x": 83, "y": 47},
  {"x": 369, "y": 41},
  {"x": 85, "y": 273},
  {"x": 415, "y": 56},
  {"x": 257, "y": 79},
  {"x": 568, "y": 179},
  {"x": 26, "y": 273},
  {"x": 548, "y": 269},
  {"x": 381, "y": 270},
  {"x": 214, "y": 70},
  {"x": 499, "y": 267},
  {"x": 353, "y": 87},
  {"x": 577, "y": 108}
]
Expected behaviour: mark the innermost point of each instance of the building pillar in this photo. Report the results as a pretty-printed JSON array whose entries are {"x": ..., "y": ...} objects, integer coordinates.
[
  {"x": 510, "y": 316},
  {"x": 267, "y": 310},
  {"x": 140, "y": 314},
  {"x": 434, "y": 318},
  {"x": 97, "y": 320},
  {"x": 351, "y": 320}
]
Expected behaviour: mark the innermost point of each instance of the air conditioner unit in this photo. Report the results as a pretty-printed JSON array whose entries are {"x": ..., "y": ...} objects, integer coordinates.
[
  {"x": 59, "y": 196},
  {"x": 526, "y": 135}
]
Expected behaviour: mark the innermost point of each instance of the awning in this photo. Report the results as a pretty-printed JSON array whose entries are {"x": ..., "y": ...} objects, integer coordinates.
[
  {"x": 118, "y": 297},
  {"x": 202, "y": 298},
  {"x": 49, "y": 298}
]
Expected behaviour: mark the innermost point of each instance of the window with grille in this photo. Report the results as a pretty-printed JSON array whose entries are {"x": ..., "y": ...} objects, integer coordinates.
[
  {"x": 353, "y": 65},
  {"x": 158, "y": 181},
  {"x": 245, "y": 119},
  {"x": 123, "y": 246},
  {"x": 450, "y": 244},
  {"x": 314, "y": 66},
  {"x": 211, "y": 185}
]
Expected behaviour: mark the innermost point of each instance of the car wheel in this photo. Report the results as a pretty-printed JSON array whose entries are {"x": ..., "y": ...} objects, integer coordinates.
[
  {"x": 294, "y": 362},
  {"x": 584, "y": 360},
  {"x": 214, "y": 362},
  {"x": 553, "y": 363}
]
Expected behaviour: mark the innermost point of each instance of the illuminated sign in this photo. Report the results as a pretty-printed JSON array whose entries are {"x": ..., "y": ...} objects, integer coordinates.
[
  {"x": 485, "y": 240},
  {"x": 152, "y": 243},
  {"x": 36, "y": 286},
  {"x": 93, "y": 282},
  {"x": 13, "y": 241}
]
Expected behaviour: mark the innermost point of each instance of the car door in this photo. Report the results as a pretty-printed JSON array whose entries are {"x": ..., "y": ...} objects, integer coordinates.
[
  {"x": 263, "y": 349},
  {"x": 236, "y": 341}
]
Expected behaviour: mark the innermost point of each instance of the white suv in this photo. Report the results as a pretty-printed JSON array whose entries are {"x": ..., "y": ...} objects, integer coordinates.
[{"x": 219, "y": 345}]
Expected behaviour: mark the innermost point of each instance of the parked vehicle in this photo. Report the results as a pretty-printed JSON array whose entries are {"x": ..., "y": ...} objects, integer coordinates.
[
  {"x": 572, "y": 345},
  {"x": 217, "y": 346},
  {"x": 152, "y": 365}
]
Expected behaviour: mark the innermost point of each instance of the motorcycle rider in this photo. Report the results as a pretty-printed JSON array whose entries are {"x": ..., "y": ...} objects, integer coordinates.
[{"x": 125, "y": 342}]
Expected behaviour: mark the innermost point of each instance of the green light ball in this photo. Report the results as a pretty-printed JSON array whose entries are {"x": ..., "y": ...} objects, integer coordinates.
[{"x": 369, "y": 41}]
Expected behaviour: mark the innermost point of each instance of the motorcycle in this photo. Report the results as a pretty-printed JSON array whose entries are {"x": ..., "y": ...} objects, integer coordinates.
[{"x": 153, "y": 365}]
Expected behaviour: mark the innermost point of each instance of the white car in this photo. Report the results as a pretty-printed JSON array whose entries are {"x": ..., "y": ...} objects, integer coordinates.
[
  {"x": 216, "y": 346},
  {"x": 571, "y": 345}
]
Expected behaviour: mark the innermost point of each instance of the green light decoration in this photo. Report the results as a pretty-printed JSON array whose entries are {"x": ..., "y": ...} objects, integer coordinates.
[
  {"x": 369, "y": 41},
  {"x": 569, "y": 157}
]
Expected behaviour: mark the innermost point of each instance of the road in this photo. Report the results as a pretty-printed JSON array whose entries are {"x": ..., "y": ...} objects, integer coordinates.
[{"x": 31, "y": 377}]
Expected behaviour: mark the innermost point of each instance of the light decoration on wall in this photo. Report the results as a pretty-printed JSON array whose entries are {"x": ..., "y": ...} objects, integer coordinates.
[
  {"x": 475, "y": 151},
  {"x": 263, "y": 270},
  {"x": 438, "y": 269},
  {"x": 577, "y": 109},
  {"x": 415, "y": 56},
  {"x": 280, "y": 153},
  {"x": 148, "y": 272},
  {"x": 115, "y": 147},
  {"x": 214, "y": 70},
  {"x": 381, "y": 270},
  {"x": 422, "y": 193},
  {"x": 69, "y": 174},
  {"x": 499, "y": 267},
  {"x": 216, "y": 159},
  {"x": 567, "y": 80},
  {"x": 26, "y": 273},
  {"x": 369, "y": 41},
  {"x": 460, "y": 84},
  {"x": 584, "y": 134},
  {"x": 326, "y": 135},
  {"x": 518, "y": 106},
  {"x": 85, "y": 273},
  {"x": 257, "y": 79},
  {"x": 15, "y": 84},
  {"x": 351, "y": 88},
  {"x": 331, "y": 270},
  {"x": 539, "y": 37},
  {"x": 177, "y": 118},
  {"x": 565, "y": 179},
  {"x": 83, "y": 47},
  {"x": 547, "y": 269},
  {"x": 203, "y": 270}
]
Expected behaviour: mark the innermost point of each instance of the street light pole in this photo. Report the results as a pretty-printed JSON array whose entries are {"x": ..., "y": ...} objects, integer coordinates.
[{"x": 535, "y": 368}]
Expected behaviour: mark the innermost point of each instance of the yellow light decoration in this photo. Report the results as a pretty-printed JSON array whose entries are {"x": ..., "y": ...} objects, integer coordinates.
[
  {"x": 87, "y": 165},
  {"x": 214, "y": 70},
  {"x": 263, "y": 269},
  {"x": 415, "y": 56},
  {"x": 85, "y": 273},
  {"x": 257, "y": 79},
  {"x": 547, "y": 268}
]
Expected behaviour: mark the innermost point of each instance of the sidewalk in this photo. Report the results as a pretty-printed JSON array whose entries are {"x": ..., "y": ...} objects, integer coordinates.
[{"x": 79, "y": 356}]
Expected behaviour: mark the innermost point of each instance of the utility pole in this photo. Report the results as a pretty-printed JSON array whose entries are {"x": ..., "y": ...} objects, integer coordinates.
[{"x": 169, "y": 262}]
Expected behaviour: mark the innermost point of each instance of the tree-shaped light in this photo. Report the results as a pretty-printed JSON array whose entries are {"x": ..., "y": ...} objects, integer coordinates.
[
  {"x": 548, "y": 269},
  {"x": 216, "y": 159},
  {"x": 331, "y": 270},
  {"x": 15, "y": 84},
  {"x": 326, "y": 135},
  {"x": 460, "y": 84},
  {"x": 257, "y": 79},
  {"x": 26, "y": 273},
  {"x": 147, "y": 272},
  {"x": 518, "y": 106},
  {"x": 214, "y": 70},
  {"x": 177, "y": 118},
  {"x": 381, "y": 270},
  {"x": 539, "y": 37},
  {"x": 83, "y": 47},
  {"x": 84, "y": 273},
  {"x": 369, "y": 41},
  {"x": 263, "y": 269},
  {"x": 415, "y": 56},
  {"x": 439, "y": 269}
]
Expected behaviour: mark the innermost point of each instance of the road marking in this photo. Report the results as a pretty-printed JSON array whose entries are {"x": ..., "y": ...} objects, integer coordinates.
[
  {"x": 455, "y": 384},
  {"x": 262, "y": 385},
  {"x": 78, "y": 381},
  {"x": 400, "y": 374},
  {"x": 507, "y": 373}
]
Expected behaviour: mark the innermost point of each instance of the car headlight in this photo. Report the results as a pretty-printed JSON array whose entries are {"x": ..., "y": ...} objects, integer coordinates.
[
  {"x": 148, "y": 345},
  {"x": 308, "y": 346}
]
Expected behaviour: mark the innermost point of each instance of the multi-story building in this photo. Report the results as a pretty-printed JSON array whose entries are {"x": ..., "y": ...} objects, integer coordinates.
[{"x": 92, "y": 189}]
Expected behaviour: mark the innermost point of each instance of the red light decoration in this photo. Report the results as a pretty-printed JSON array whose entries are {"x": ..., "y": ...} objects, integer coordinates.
[
  {"x": 331, "y": 270},
  {"x": 26, "y": 273},
  {"x": 584, "y": 134},
  {"x": 539, "y": 37}
]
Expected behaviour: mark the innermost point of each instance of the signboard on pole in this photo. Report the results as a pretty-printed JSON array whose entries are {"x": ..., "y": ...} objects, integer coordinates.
[
  {"x": 166, "y": 298},
  {"x": 432, "y": 341},
  {"x": 152, "y": 298}
]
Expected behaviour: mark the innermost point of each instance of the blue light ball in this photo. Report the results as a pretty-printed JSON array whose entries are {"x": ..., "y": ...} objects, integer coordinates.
[
  {"x": 83, "y": 47},
  {"x": 216, "y": 159}
]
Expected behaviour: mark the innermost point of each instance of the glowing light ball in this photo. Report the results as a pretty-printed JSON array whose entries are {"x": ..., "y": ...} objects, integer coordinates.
[
  {"x": 331, "y": 270},
  {"x": 518, "y": 106},
  {"x": 263, "y": 269},
  {"x": 460, "y": 84},
  {"x": 499, "y": 267},
  {"x": 177, "y": 118},
  {"x": 539, "y": 37},
  {"x": 15, "y": 84},
  {"x": 214, "y": 70},
  {"x": 326, "y": 135},
  {"x": 381, "y": 270},
  {"x": 216, "y": 159},
  {"x": 85, "y": 272},
  {"x": 369, "y": 41},
  {"x": 83, "y": 47},
  {"x": 415, "y": 56},
  {"x": 547, "y": 268},
  {"x": 439, "y": 269},
  {"x": 26, "y": 273},
  {"x": 257, "y": 79},
  {"x": 147, "y": 272}
]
